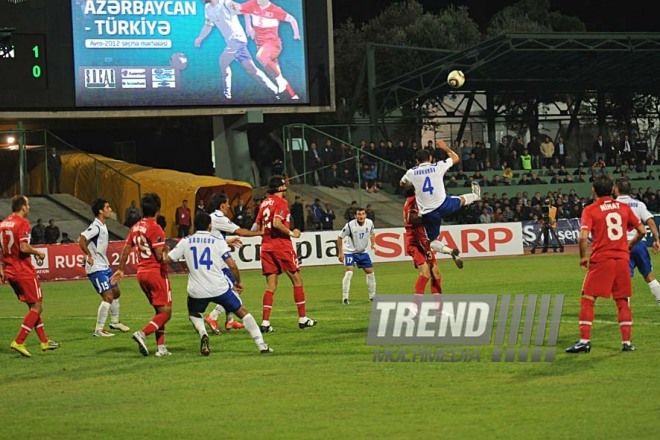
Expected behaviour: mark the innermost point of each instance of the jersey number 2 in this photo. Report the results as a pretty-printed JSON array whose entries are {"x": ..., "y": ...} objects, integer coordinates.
[{"x": 427, "y": 187}]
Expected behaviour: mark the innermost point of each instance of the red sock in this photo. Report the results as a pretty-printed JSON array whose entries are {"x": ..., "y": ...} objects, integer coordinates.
[
  {"x": 586, "y": 318},
  {"x": 28, "y": 323},
  {"x": 39, "y": 328},
  {"x": 156, "y": 322},
  {"x": 436, "y": 287},
  {"x": 268, "y": 304},
  {"x": 420, "y": 285},
  {"x": 160, "y": 336},
  {"x": 417, "y": 300},
  {"x": 299, "y": 298},
  {"x": 290, "y": 90},
  {"x": 625, "y": 318}
]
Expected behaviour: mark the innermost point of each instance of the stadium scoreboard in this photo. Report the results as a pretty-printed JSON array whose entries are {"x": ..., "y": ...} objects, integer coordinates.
[{"x": 96, "y": 58}]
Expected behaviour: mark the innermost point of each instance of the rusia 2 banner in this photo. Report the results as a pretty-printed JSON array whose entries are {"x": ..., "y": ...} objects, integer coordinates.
[{"x": 65, "y": 261}]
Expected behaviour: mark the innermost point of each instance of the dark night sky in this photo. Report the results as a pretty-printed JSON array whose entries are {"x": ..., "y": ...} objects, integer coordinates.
[{"x": 599, "y": 15}]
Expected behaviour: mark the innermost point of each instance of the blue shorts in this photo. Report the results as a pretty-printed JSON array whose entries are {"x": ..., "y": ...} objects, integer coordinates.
[
  {"x": 229, "y": 300},
  {"x": 432, "y": 220},
  {"x": 229, "y": 276},
  {"x": 362, "y": 260},
  {"x": 101, "y": 280},
  {"x": 640, "y": 258},
  {"x": 239, "y": 49}
]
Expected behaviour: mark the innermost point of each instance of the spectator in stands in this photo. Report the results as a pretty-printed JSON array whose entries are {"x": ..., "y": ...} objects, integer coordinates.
[
  {"x": 65, "y": 238},
  {"x": 514, "y": 161},
  {"x": 371, "y": 215},
  {"x": 313, "y": 163},
  {"x": 311, "y": 224},
  {"x": 485, "y": 216},
  {"x": 503, "y": 150},
  {"x": 347, "y": 178},
  {"x": 333, "y": 177},
  {"x": 641, "y": 148},
  {"x": 182, "y": 219},
  {"x": 534, "y": 149},
  {"x": 507, "y": 214},
  {"x": 349, "y": 214},
  {"x": 200, "y": 207},
  {"x": 328, "y": 157},
  {"x": 52, "y": 233},
  {"x": 471, "y": 163},
  {"x": 452, "y": 183},
  {"x": 54, "y": 171},
  {"x": 131, "y": 215},
  {"x": 328, "y": 218},
  {"x": 526, "y": 160},
  {"x": 480, "y": 154},
  {"x": 369, "y": 178},
  {"x": 599, "y": 149},
  {"x": 524, "y": 180},
  {"x": 536, "y": 180},
  {"x": 465, "y": 152},
  {"x": 612, "y": 150},
  {"x": 625, "y": 148},
  {"x": 297, "y": 215},
  {"x": 38, "y": 235},
  {"x": 561, "y": 150},
  {"x": 547, "y": 151},
  {"x": 650, "y": 175},
  {"x": 241, "y": 215}
]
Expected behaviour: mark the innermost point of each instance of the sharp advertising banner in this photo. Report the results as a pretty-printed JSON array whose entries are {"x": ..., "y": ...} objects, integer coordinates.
[{"x": 64, "y": 261}]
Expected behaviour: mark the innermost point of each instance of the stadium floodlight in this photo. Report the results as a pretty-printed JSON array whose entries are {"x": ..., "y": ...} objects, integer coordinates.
[{"x": 6, "y": 44}]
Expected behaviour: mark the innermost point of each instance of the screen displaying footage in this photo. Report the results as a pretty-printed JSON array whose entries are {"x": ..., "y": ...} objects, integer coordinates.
[{"x": 143, "y": 53}]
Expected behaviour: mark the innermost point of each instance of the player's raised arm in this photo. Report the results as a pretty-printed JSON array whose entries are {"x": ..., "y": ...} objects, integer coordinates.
[{"x": 443, "y": 146}]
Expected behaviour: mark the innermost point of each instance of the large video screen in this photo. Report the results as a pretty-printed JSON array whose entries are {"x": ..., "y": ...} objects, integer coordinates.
[{"x": 143, "y": 53}]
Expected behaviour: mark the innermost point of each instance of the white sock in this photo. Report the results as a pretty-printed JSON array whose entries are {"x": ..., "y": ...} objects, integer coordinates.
[
  {"x": 470, "y": 198},
  {"x": 438, "y": 246},
  {"x": 216, "y": 312},
  {"x": 252, "y": 328},
  {"x": 281, "y": 83},
  {"x": 230, "y": 317},
  {"x": 102, "y": 315},
  {"x": 267, "y": 82},
  {"x": 346, "y": 284},
  {"x": 114, "y": 311},
  {"x": 446, "y": 250},
  {"x": 227, "y": 78},
  {"x": 655, "y": 289},
  {"x": 371, "y": 284},
  {"x": 198, "y": 323}
]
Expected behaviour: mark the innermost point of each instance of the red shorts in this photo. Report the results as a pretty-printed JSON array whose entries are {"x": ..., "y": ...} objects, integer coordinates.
[
  {"x": 420, "y": 257},
  {"x": 270, "y": 49},
  {"x": 609, "y": 277},
  {"x": 276, "y": 262},
  {"x": 28, "y": 290},
  {"x": 156, "y": 287}
]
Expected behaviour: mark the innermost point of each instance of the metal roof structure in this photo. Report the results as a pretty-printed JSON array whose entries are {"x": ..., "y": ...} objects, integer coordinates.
[{"x": 539, "y": 63}]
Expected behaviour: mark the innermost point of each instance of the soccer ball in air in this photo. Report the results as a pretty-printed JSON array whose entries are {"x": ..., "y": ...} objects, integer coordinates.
[
  {"x": 179, "y": 61},
  {"x": 455, "y": 79}
]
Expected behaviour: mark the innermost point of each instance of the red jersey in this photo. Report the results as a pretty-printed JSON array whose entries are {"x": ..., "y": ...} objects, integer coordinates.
[
  {"x": 265, "y": 21},
  {"x": 147, "y": 235},
  {"x": 415, "y": 233},
  {"x": 14, "y": 230},
  {"x": 273, "y": 239},
  {"x": 609, "y": 221}
]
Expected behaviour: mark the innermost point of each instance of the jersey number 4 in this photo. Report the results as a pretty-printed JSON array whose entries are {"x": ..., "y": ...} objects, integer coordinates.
[{"x": 427, "y": 187}]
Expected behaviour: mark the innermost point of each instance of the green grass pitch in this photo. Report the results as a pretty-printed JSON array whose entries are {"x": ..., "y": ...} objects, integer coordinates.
[{"x": 322, "y": 382}]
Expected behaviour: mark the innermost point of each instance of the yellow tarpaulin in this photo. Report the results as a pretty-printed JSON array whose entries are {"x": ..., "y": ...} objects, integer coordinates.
[{"x": 90, "y": 176}]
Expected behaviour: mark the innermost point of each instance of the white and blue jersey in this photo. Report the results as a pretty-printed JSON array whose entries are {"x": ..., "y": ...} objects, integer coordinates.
[
  {"x": 226, "y": 20},
  {"x": 432, "y": 199},
  {"x": 427, "y": 178},
  {"x": 221, "y": 226},
  {"x": 203, "y": 253},
  {"x": 639, "y": 255},
  {"x": 98, "y": 273},
  {"x": 356, "y": 241}
]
